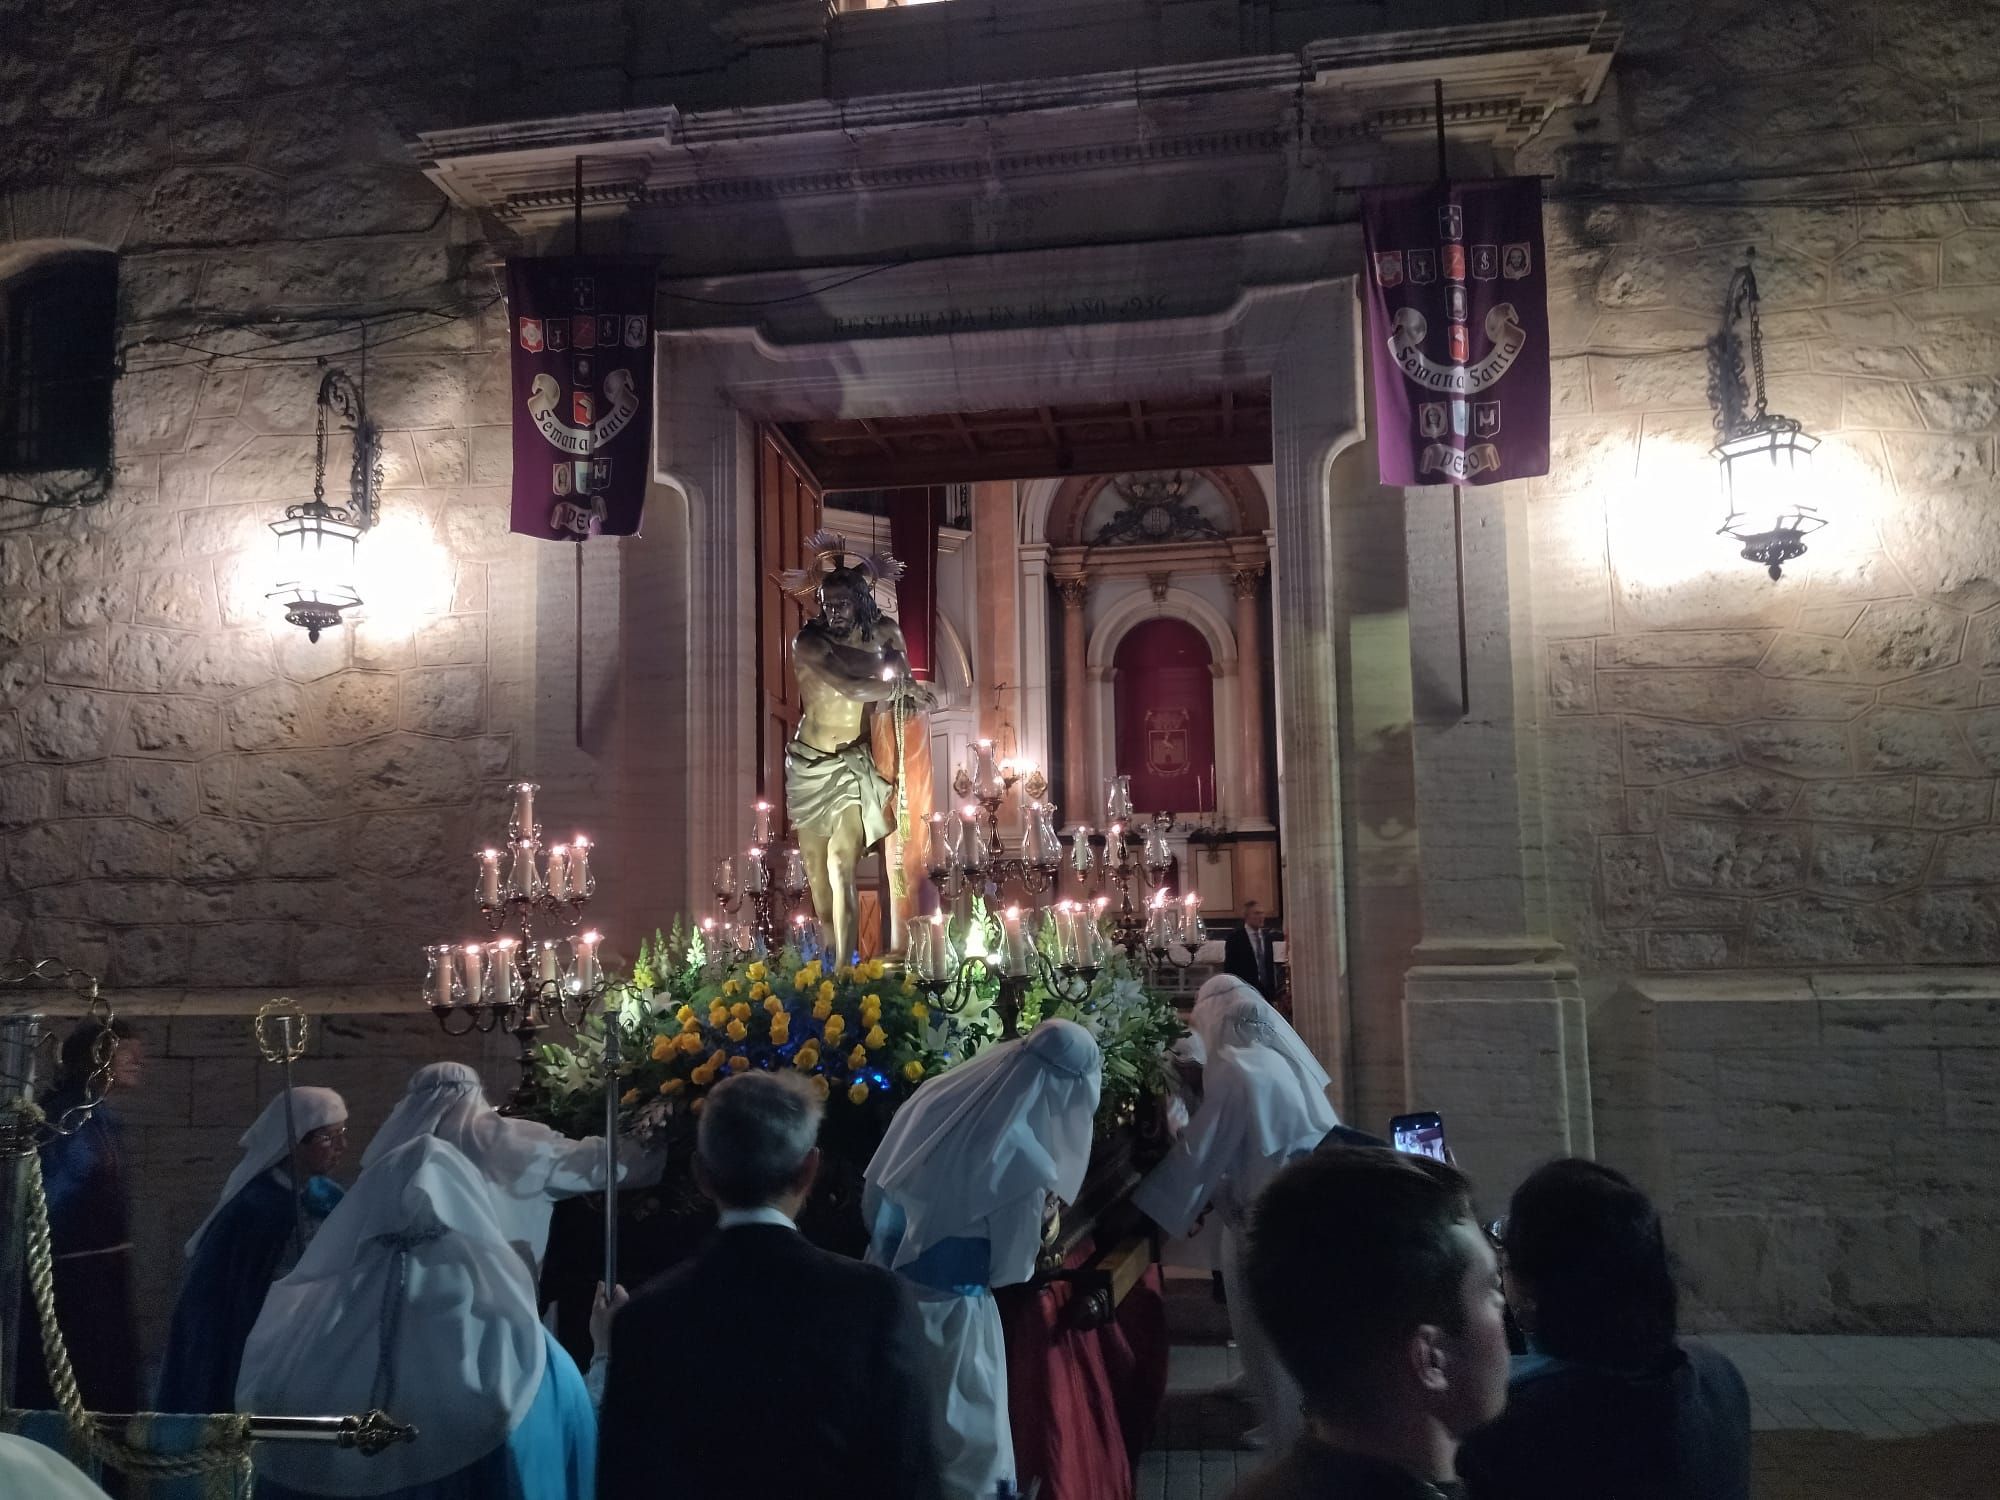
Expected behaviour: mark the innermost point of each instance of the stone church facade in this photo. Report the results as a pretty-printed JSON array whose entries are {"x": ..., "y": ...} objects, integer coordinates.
[{"x": 1705, "y": 878}]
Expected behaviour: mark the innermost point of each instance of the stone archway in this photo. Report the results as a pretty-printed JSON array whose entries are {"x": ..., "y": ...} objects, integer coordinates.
[{"x": 716, "y": 382}]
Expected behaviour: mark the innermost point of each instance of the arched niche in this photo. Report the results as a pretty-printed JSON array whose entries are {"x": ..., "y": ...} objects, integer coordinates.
[
  {"x": 1069, "y": 502},
  {"x": 1120, "y": 617}
]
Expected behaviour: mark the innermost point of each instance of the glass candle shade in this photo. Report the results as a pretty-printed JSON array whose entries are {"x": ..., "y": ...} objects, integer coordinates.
[
  {"x": 489, "y": 878},
  {"x": 988, "y": 782},
  {"x": 524, "y": 881},
  {"x": 795, "y": 878},
  {"x": 1013, "y": 942},
  {"x": 1081, "y": 856},
  {"x": 725, "y": 877},
  {"x": 556, "y": 878},
  {"x": 472, "y": 967},
  {"x": 521, "y": 824},
  {"x": 760, "y": 823},
  {"x": 1118, "y": 799},
  {"x": 582, "y": 883},
  {"x": 442, "y": 987}
]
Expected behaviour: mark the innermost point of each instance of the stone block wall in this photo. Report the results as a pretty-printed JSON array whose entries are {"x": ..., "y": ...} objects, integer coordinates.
[
  {"x": 1796, "y": 777},
  {"x": 190, "y": 791},
  {"x": 1822, "y": 1147},
  {"x": 1748, "y": 773}
]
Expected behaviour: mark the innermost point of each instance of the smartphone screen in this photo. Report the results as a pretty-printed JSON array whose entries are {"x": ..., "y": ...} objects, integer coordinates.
[{"x": 1419, "y": 1134}]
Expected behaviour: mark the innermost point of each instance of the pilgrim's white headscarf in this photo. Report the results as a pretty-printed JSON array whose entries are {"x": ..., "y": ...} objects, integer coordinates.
[
  {"x": 1263, "y": 1099},
  {"x": 28, "y": 1468},
  {"x": 992, "y": 1134},
  {"x": 265, "y": 1144},
  {"x": 527, "y": 1166},
  {"x": 409, "y": 1299}
]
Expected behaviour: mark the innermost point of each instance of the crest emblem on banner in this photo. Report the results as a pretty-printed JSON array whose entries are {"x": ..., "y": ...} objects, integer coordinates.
[
  {"x": 583, "y": 333},
  {"x": 583, "y": 294},
  {"x": 531, "y": 335},
  {"x": 564, "y": 479},
  {"x": 635, "y": 332},
  {"x": 1461, "y": 332},
  {"x": 558, "y": 335},
  {"x": 1167, "y": 741}
]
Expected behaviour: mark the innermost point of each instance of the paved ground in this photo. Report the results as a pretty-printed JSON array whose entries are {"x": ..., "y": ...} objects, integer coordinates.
[{"x": 1835, "y": 1418}]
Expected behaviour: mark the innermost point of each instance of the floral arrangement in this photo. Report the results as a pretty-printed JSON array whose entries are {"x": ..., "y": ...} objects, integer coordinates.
[{"x": 864, "y": 1036}]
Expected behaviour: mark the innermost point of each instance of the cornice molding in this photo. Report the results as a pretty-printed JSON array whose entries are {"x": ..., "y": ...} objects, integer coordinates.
[{"x": 1502, "y": 82}]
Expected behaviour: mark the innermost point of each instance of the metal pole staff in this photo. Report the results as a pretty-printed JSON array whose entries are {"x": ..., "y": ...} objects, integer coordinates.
[
  {"x": 1457, "y": 491},
  {"x": 613, "y": 1012},
  {"x": 288, "y": 1049}
]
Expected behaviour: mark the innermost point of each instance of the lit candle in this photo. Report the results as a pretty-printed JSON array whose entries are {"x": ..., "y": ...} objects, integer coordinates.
[
  {"x": 522, "y": 824},
  {"x": 489, "y": 877},
  {"x": 549, "y": 971},
  {"x": 937, "y": 952},
  {"x": 725, "y": 877},
  {"x": 974, "y": 840},
  {"x": 557, "y": 879},
  {"x": 760, "y": 824},
  {"x": 502, "y": 975},
  {"x": 581, "y": 882},
  {"x": 470, "y": 959},
  {"x": 796, "y": 876},
  {"x": 524, "y": 881},
  {"x": 584, "y": 973},
  {"x": 441, "y": 987},
  {"x": 1191, "y": 921},
  {"x": 1081, "y": 856},
  {"x": 756, "y": 876},
  {"x": 1014, "y": 942}
]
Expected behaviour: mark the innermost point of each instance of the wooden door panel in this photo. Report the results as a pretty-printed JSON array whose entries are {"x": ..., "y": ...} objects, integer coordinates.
[{"x": 788, "y": 511}]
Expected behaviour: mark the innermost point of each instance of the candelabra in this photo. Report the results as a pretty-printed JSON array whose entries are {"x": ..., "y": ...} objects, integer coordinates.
[
  {"x": 1065, "y": 955},
  {"x": 516, "y": 981},
  {"x": 967, "y": 851},
  {"x": 754, "y": 885},
  {"x": 1119, "y": 859}
]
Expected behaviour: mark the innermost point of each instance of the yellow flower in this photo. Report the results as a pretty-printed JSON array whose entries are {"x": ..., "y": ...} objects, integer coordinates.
[
  {"x": 774, "y": 1006},
  {"x": 737, "y": 1031},
  {"x": 759, "y": 991},
  {"x": 913, "y": 1070},
  {"x": 858, "y": 1094},
  {"x": 690, "y": 1026},
  {"x": 836, "y": 1027},
  {"x": 806, "y": 1058},
  {"x": 702, "y": 1077},
  {"x": 715, "y": 1060},
  {"x": 819, "y": 1086},
  {"x": 629, "y": 1098},
  {"x": 673, "y": 1086},
  {"x": 801, "y": 980},
  {"x": 871, "y": 1001},
  {"x": 717, "y": 1013},
  {"x": 876, "y": 1039},
  {"x": 874, "y": 968},
  {"x": 919, "y": 1011},
  {"x": 689, "y": 1042},
  {"x": 730, "y": 986},
  {"x": 781, "y": 1029},
  {"x": 843, "y": 973},
  {"x": 663, "y": 1047},
  {"x": 685, "y": 1014},
  {"x": 741, "y": 1010},
  {"x": 822, "y": 1009},
  {"x": 858, "y": 1058},
  {"x": 909, "y": 985},
  {"x": 826, "y": 992},
  {"x": 739, "y": 1064},
  {"x": 757, "y": 970}
]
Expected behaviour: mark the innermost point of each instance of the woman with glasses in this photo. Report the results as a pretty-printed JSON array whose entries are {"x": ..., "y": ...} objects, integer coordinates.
[
  {"x": 272, "y": 1204},
  {"x": 1607, "y": 1401}
]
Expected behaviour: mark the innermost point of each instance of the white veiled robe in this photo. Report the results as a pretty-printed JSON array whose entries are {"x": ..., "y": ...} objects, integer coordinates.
[
  {"x": 266, "y": 1144},
  {"x": 1263, "y": 1103},
  {"x": 527, "y": 1165},
  {"x": 969, "y": 1164},
  {"x": 443, "y": 1333}
]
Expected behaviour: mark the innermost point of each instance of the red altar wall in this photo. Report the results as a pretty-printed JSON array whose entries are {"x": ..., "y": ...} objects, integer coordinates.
[{"x": 1166, "y": 717}]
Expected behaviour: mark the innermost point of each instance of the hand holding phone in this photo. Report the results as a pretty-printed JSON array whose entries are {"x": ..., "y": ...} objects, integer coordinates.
[{"x": 1420, "y": 1134}]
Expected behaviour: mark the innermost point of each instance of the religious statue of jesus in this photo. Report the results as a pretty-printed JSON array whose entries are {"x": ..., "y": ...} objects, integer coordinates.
[{"x": 840, "y": 803}]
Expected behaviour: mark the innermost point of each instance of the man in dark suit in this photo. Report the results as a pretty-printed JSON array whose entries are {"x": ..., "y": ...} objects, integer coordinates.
[
  {"x": 764, "y": 1366},
  {"x": 1248, "y": 952}
]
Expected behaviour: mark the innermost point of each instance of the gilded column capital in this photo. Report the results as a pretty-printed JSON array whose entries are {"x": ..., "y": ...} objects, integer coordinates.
[
  {"x": 1243, "y": 582},
  {"x": 1074, "y": 588}
]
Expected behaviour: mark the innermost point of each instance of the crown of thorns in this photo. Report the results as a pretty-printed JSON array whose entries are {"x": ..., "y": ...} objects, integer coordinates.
[{"x": 826, "y": 547}]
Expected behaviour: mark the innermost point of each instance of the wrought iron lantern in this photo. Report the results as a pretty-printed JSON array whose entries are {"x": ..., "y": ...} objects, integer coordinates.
[
  {"x": 1766, "y": 458},
  {"x": 318, "y": 542}
]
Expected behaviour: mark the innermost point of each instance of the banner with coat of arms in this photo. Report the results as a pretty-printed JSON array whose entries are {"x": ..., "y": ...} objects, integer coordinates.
[
  {"x": 1458, "y": 327},
  {"x": 581, "y": 332}
]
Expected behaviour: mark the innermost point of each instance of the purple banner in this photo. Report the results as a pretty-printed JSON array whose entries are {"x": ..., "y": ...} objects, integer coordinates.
[
  {"x": 1458, "y": 330},
  {"x": 582, "y": 341}
]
